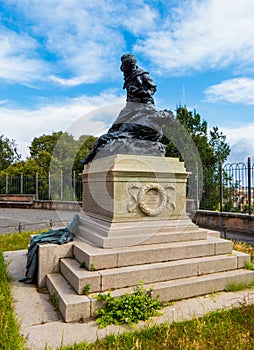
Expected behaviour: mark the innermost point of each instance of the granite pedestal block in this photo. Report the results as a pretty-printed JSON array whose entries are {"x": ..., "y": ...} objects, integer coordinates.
[{"x": 128, "y": 199}]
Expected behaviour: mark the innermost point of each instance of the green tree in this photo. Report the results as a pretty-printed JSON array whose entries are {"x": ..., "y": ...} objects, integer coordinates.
[
  {"x": 31, "y": 172},
  {"x": 211, "y": 148},
  {"x": 65, "y": 160},
  {"x": 44, "y": 143},
  {"x": 8, "y": 152},
  {"x": 85, "y": 145},
  {"x": 58, "y": 153},
  {"x": 217, "y": 141}
]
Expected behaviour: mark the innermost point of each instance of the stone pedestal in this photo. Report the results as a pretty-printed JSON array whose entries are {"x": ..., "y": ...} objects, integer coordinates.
[{"x": 132, "y": 200}]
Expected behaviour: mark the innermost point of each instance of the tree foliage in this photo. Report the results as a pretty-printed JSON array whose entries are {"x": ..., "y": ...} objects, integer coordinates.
[
  {"x": 8, "y": 152},
  {"x": 44, "y": 143},
  {"x": 211, "y": 147},
  {"x": 60, "y": 151},
  {"x": 58, "y": 154}
]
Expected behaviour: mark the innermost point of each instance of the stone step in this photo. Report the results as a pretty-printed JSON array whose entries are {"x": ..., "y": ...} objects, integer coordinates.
[
  {"x": 73, "y": 307},
  {"x": 95, "y": 258},
  {"x": 79, "y": 277},
  {"x": 80, "y": 307},
  {"x": 115, "y": 278},
  {"x": 206, "y": 284}
]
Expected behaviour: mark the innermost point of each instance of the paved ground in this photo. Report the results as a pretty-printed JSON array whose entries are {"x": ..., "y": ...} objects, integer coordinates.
[
  {"x": 42, "y": 325},
  {"x": 32, "y": 219}
]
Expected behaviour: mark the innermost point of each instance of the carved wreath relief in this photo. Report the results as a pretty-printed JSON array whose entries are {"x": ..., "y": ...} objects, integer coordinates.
[{"x": 151, "y": 199}]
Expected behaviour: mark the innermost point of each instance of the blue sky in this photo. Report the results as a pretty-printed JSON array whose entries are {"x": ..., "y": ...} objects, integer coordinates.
[{"x": 59, "y": 63}]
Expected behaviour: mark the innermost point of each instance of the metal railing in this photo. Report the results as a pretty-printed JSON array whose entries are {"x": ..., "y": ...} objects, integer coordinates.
[
  {"x": 226, "y": 188},
  {"x": 229, "y": 188},
  {"x": 45, "y": 187}
]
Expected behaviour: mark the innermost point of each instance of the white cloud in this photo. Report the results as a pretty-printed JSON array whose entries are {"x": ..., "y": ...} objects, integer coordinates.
[
  {"x": 80, "y": 39},
  {"x": 140, "y": 21},
  {"x": 201, "y": 35},
  {"x": 69, "y": 82},
  {"x": 77, "y": 116},
  {"x": 241, "y": 142},
  {"x": 238, "y": 90},
  {"x": 18, "y": 62},
  {"x": 68, "y": 43}
]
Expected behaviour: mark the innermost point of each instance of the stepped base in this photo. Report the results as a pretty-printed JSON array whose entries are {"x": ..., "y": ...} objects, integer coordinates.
[
  {"x": 122, "y": 277},
  {"x": 174, "y": 270},
  {"x": 95, "y": 258},
  {"x": 80, "y": 307}
]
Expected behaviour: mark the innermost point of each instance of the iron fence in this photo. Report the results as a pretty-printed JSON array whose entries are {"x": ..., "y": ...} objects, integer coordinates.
[
  {"x": 229, "y": 188},
  {"x": 225, "y": 188},
  {"x": 60, "y": 186}
]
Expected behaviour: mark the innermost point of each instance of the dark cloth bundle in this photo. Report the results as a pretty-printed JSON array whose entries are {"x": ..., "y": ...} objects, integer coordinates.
[{"x": 59, "y": 236}]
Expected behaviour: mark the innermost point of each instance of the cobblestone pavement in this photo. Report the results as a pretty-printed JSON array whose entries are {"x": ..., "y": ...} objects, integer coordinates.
[{"x": 32, "y": 219}]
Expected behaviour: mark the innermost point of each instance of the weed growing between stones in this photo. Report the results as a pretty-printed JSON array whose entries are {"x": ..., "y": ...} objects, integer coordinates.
[
  {"x": 54, "y": 300},
  {"x": 86, "y": 289},
  {"x": 129, "y": 308},
  {"x": 249, "y": 265},
  {"x": 236, "y": 287}
]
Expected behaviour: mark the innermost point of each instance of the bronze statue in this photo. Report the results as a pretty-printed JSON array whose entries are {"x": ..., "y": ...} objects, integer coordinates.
[
  {"x": 138, "y": 127},
  {"x": 138, "y": 84}
]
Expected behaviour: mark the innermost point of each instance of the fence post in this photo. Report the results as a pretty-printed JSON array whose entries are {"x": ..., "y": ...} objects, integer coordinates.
[
  {"x": 21, "y": 183},
  {"x": 6, "y": 184},
  {"x": 74, "y": 184},
  {"x": 36, "y": 187},
  {"x": 49, "y": 185},
  {"x": 221, "y": 187},
  {"x": 249, "y": 186},
  {"x": 61, "y": 186}
]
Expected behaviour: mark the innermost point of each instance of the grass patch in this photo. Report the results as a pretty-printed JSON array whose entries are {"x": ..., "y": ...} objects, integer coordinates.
[
  {"x": 10, "y": 337},
  {"x": 244, "y": 248},
  {"x": 9, "y": 329},
  {"x": 227, "y": 330},
  {"x": 236, "y": 287},
  {"x": 16, "y": 241}
]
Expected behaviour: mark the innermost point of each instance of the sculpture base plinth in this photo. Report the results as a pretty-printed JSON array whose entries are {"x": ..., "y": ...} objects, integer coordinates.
[
  {"x": 107, "y": 234},
  {"x": 132, "y": 200}
]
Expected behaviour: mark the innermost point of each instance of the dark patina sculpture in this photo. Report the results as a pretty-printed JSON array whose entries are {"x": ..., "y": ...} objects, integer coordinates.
[
  {"x": 137, "y": 82},
  {"x": 138, "y": 127}
]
